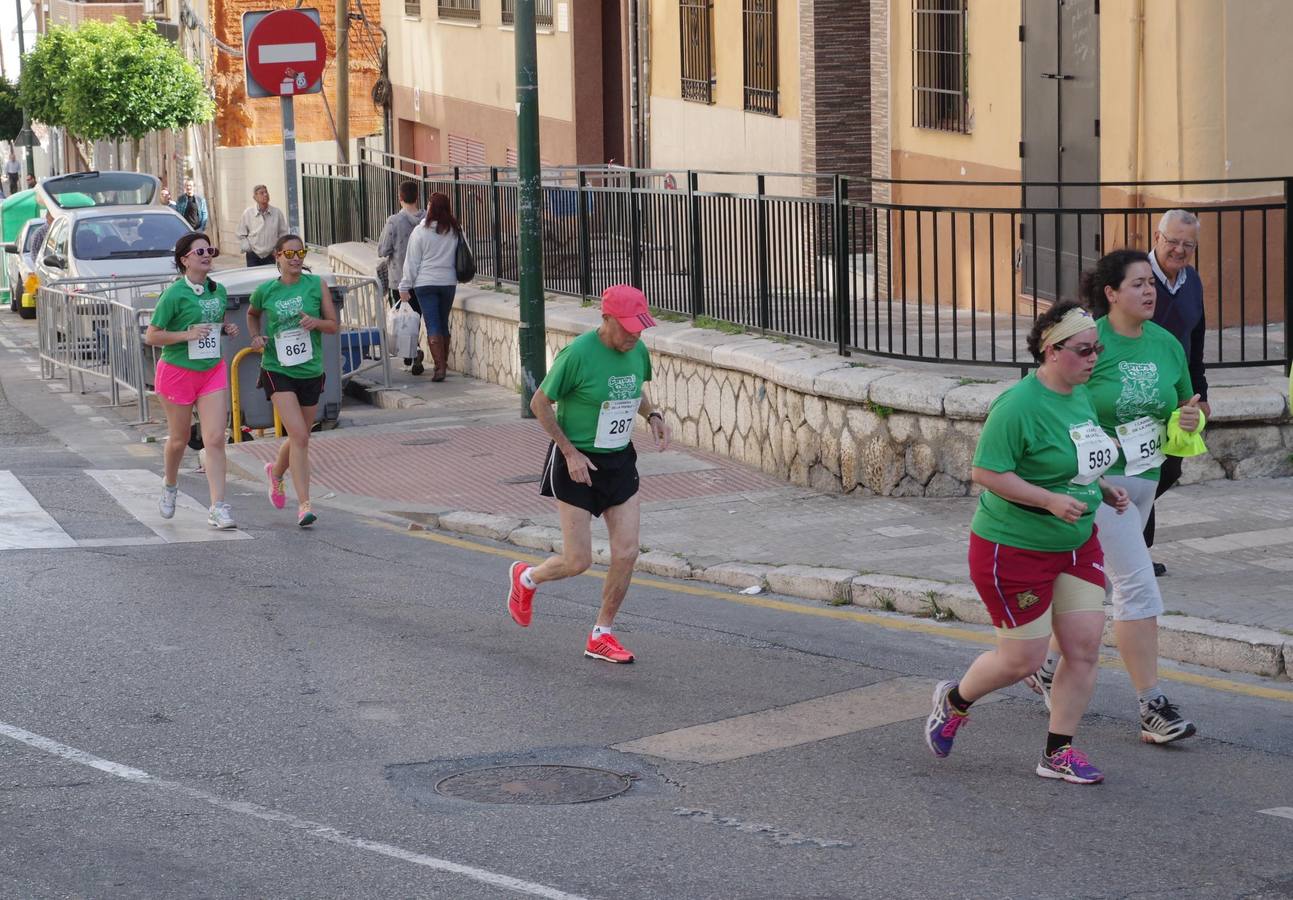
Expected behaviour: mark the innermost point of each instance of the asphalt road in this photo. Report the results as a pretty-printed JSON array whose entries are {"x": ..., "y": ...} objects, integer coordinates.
[{"x": 270, "y": 718}]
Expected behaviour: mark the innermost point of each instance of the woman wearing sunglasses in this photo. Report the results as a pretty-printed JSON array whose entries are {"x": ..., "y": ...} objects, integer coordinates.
[
  {"x": 1140, "y": 380},
  {"x": 287, "y": 320},
  {"x": 1034, "y": 556},
  {"x": 187, "y": 324}
]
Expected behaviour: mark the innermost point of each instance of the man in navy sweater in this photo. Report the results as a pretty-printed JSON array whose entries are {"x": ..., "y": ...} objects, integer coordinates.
[{"x": 1180, "y": 311}]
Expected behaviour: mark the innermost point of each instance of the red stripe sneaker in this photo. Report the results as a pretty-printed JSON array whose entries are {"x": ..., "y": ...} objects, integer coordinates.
[
  {"x": 604, "y": 646},
  {"x": 519, "y": 597}
]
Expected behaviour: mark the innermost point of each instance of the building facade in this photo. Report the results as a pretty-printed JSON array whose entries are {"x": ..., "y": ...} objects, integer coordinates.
[{"x": 453, "y": 81}]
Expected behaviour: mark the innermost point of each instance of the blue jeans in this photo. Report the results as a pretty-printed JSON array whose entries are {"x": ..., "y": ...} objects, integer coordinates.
[{"x": 436, "y": 300}]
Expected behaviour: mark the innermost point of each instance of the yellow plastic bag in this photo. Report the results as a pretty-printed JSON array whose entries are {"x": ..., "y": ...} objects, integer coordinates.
[{"x": 1184, "y": 443}]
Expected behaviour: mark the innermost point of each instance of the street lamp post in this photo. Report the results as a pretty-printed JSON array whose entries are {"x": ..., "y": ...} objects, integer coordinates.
[
  {"x": 531, "y": 333},
  {"x": 26, "y": 125}
]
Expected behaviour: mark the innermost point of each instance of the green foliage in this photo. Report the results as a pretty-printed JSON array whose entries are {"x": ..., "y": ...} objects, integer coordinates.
[
  {"x": 112, "y": 80},
  {"x": 10, "y": 110},
  {"x": 45, "y": 71},
  {"x": 879, "y": 409},
  {"x": 718, "y": 325}
]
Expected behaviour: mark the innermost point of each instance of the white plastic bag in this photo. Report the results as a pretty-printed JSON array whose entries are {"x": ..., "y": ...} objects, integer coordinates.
[{"x": 405, "y": 328}]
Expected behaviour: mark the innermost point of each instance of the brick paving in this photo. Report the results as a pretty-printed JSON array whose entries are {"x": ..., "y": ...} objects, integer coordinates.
[{"x": 1228, "y": 545}]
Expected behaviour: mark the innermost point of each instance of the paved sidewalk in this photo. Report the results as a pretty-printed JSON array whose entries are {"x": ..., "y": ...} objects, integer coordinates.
[{"x": 1228, "y": 545}]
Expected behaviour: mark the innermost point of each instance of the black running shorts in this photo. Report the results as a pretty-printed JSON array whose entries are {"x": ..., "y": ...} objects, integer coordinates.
[
  {"x": 307, "y": 390},
  {"x": 614, "y": 482}
]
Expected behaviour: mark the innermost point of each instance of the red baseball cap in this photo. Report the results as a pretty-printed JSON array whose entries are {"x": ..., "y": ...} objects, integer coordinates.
[{"x": 627, "y": 304}]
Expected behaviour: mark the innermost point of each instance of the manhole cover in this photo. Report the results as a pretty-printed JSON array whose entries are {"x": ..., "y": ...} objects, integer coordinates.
[
  {"x": 540, "y": 785},
  {"x": 422, "y": 442}
]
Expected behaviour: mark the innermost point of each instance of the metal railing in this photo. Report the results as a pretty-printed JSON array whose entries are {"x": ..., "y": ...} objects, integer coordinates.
[
  {"x": 94, "y": 328},
  {"x": 364, "y": 338},
  {"x": 945, "y": 272}
]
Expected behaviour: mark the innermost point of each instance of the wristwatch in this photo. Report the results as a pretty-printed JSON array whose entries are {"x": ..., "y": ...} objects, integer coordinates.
[{"x": 655, "y": 414}]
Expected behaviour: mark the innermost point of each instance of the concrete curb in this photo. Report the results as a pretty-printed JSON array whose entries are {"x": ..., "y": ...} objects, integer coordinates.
[
  {"x": 383, "y": 398},
  {"x": 1202, "y": 642}
]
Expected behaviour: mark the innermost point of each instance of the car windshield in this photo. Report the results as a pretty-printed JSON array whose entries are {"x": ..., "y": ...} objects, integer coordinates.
[
  {"x": 82, "y": 189},
  {"x": 134, "y": 236}
]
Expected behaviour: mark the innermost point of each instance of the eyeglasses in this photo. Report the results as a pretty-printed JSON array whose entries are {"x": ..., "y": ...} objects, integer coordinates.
[
  {"x": 292, "y": 254},
  {"x": 1084, "y": 351},
  {"x": 1175, "y": 244},
  {"x": 212, "y": 252}
]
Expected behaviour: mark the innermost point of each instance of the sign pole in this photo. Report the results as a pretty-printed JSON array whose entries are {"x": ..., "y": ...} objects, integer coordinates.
[
  {"x": 531, "y": 334},
  {"x": 289, "y": 163}
]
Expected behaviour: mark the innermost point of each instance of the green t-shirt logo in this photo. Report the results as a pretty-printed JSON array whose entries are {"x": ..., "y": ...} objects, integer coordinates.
[
  {"x": 212, "y": 308},
  {"x": 622, "y": 387},
  {"x": 287, "y": 310},
  {"x": 1139, "y": 395}
]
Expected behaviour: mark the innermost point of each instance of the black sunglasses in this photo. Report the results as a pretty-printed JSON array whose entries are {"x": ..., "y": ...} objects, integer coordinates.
[{"x": 1083, "y": 351}]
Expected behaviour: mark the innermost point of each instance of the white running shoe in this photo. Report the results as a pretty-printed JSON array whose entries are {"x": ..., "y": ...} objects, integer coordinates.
[
  {"x": 221, "y": 516},
  {"x": 166, "y": 505}
]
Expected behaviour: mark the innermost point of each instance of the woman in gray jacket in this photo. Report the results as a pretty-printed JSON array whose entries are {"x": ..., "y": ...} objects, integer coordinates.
[{"x": 430, "y": 275}]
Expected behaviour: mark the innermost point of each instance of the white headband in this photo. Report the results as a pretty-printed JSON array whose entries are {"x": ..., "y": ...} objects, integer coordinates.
[{"x": 1075, "y": 321}]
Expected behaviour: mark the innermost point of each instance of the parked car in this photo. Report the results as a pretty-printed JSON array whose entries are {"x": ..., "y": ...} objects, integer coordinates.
[
  {"x": 107, "y": 225},
  {"x": 21, "y": 257}
]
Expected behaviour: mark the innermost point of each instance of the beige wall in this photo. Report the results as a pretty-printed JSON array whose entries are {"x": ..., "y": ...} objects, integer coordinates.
[
  {"x": 685, "y": 135},
  {"x": 1203, "y": 102},
  {"x": 994, "y": 82},
  {"x": 465, "y": 77}
]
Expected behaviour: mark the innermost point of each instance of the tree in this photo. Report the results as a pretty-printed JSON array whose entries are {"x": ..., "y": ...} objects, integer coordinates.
[
  {"x": 112, "y": 80},
  {"x": 10, "y": 111},
  {"x": 45, "y": 70}
]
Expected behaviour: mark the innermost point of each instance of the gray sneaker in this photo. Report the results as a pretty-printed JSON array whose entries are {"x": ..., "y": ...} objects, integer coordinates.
[
  {"x": 1040, "y": 681},
  {"x": 221, "y": 516},
  {"x": 166, "y": 505},
  {"x": 1163, "y": 723}
]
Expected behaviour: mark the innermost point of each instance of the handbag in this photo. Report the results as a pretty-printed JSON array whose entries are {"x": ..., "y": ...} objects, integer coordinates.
[
  {"x": 405, "y": 327},
  {"x": 464, "y": 263}
]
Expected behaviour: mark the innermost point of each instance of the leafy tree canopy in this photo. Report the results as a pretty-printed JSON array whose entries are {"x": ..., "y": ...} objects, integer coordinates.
[
  {"x": 10, "y": 111},
  {"x": 114, "y": 80}
]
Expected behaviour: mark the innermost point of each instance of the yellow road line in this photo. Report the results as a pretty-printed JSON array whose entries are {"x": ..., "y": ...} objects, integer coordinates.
[{"x": 917, "y": 626}]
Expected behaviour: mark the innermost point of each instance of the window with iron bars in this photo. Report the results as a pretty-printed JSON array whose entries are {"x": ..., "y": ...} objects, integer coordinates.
[
  {"x": 467, "y": 10},
  {"x": 759, "y": 27},
  {"x": 940, "y": 86},
  {"x": 413, "y": 9},
  {"x": 697, "y": 21},
  {"x": 542, "y": 13}
]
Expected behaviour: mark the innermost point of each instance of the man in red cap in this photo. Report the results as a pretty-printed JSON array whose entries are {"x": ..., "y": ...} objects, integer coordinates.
[{"x": 596, "y": 384}]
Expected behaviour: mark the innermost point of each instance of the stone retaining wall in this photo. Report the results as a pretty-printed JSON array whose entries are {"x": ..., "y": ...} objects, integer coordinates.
[{"x": 815, "y": 418}]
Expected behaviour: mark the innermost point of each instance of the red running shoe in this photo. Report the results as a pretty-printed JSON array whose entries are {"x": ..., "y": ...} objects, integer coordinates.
[
  {"x": 604, "y": 646},
  {"x": 519, "y": 597}
]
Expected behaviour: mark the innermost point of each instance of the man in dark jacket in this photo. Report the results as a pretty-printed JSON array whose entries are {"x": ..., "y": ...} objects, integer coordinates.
[
  {"x": 192, "y": 207},
  {"x": 392, "y": 245},
  {"x": 1180, "y": 311}
]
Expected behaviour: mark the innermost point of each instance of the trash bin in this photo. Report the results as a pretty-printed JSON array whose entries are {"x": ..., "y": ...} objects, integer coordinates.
[{"x": 258, "y": 412}]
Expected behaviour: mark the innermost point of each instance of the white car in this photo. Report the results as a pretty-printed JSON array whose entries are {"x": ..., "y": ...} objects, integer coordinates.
[
  {"x": 22, "y": 262},
  {"x": 107, "y": 225}
]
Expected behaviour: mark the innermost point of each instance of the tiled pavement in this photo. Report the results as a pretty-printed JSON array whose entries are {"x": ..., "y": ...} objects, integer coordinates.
[{"x": 1228, "y": 545}]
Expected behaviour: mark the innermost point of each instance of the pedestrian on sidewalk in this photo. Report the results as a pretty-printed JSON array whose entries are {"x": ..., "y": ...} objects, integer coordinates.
[
  {"x": 192, "y": 207},
  {"x": 12, "y": 169},
  {"x": 430, "y": 275},
  {"x": 1180, "y": 310},
  {"x": 1139, "y": 381},
  {"x": 1034, "y": 556},
  {"x": 287, "y": 319},
  {"x": 597, "y": 384},
  {"x": 260, "y": 228},
  {"x": 187, "y": 324},
  {"x": 392, "y": 246}
]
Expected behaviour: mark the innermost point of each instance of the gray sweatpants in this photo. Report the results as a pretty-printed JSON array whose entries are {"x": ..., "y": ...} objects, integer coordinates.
[{"x": 1128, "y": 569}]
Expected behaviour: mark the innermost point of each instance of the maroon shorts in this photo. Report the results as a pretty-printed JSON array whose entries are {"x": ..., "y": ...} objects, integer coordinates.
[{"x": 1016, "y": 585}]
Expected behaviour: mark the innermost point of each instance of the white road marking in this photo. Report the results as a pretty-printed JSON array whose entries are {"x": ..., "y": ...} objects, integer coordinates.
[
  {"x": 81, "y": 407},
  {"x": 255, "y": 811},
  {"x": 137, "y": 490},
  {"x": 873, "y": 706},
  {"x": 8, "y": 343},
  {"x": 99, "y": 419},
  {"x": 24, "y": 524},
  {"x": 57, "y": 387},
  {"x": 1284, "y": 812}
]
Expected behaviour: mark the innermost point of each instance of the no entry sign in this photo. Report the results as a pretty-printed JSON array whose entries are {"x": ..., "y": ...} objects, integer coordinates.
[{"x": 283, "y": 52}]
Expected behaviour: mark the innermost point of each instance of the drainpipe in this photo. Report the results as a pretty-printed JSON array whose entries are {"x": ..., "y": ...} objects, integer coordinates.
[
  {"x": 635, "y": 91},
  {"x": 1138, "y": 75}
]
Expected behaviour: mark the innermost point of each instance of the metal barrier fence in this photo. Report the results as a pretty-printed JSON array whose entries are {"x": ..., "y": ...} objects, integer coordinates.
[
  {"x": 948, "y": 272},
  {"x": 364, "y": 338},
  {"x": 93, "y": 327}
]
